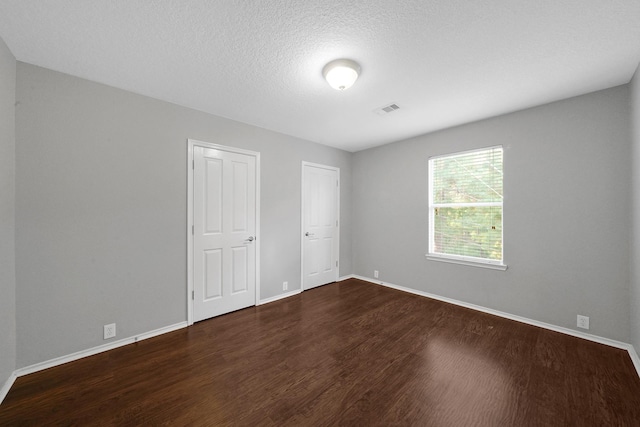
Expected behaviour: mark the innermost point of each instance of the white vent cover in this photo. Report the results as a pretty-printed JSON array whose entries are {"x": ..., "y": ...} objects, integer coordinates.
[{"x": 383, "y": 111}]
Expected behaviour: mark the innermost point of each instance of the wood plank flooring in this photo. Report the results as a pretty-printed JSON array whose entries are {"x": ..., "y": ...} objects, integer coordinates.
[{"x": 348, "y": 353}]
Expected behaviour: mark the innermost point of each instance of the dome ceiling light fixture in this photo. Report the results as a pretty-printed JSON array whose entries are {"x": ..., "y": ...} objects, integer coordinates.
[{"x": 341, "y": 74}]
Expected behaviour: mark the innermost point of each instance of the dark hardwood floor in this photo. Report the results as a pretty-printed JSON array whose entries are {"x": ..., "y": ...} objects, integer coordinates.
[{"x": 349, "y": 353}]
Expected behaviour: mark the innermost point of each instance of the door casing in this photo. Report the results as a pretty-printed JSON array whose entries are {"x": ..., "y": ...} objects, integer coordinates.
[
  {"x": 302, "y": 224},
  {"x": 191, "y": 143}
]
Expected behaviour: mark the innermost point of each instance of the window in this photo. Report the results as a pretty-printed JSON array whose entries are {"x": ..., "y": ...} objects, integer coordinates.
[{"x": 465, "y": 208}]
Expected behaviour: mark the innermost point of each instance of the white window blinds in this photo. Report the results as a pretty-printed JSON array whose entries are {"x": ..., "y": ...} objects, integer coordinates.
[{"x": 465, "y": 206}]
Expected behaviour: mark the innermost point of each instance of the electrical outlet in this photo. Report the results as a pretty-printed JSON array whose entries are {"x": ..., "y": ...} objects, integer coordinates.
[
  {"x": 285, "y": 286},
  {"x": 109, "y": 331},
  {"x": 375, "y": 274},
  {"x": 583, "y": 322}
]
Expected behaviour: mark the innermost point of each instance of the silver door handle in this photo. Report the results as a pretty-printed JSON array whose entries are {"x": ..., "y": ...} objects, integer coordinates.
[
  {"x": 250, "y": 239},
  {"x": 309, "y": 234}
]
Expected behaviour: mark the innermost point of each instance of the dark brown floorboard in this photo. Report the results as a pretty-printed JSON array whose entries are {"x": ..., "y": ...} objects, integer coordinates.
[{"x": 349, "y": 353}]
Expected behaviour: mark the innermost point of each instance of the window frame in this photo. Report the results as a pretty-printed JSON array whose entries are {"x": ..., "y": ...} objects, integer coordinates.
[{"x": 462, "y": 259}]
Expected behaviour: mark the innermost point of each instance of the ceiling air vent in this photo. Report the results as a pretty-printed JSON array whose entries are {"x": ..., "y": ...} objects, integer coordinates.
[{"x": 383, "y": 111}]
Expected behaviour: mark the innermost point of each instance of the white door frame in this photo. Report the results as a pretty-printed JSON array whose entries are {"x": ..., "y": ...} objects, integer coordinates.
[
  {"x": 337, "y": 240},
  {"x": 191, "y": 143}
]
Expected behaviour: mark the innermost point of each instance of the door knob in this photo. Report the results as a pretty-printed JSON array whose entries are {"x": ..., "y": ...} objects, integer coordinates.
[
  {"x": 309, "y": 234},
  {"x": 250, "y": 239}
]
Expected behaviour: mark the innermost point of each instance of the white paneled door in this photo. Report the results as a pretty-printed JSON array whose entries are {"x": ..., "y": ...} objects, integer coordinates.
[
  {"x": 224, "y": 231},
  {"x": 320, "y": 224}
]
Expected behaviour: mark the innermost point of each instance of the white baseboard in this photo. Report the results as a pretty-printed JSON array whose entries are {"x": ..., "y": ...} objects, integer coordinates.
[
  {"x": 634, "y": 358},
  {"x": 95, "y": 350},
  {"x": 296, "y": 292},
  {"x": 563, "y": 330},
  {"x": 279, "y": 297},
  {"x": 7, "y": 386}
]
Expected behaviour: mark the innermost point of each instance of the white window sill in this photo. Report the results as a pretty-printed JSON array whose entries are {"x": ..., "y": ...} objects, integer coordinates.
[{"x": 480, "y": 264}]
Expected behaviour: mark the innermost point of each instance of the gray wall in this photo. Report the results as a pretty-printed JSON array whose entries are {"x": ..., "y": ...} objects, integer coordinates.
[
  {"x": 566, "y": 213},
  {"x": 101, "y": 193},
  {"x": 635, "y": 212},
  {"x": 7, "y": 214}
]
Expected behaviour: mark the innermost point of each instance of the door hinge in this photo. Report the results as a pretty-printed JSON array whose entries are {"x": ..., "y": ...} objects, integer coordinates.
[
  {"x": 336, "y": 222},
  {"x": 337, "y": 183},
  {"x": 193, "y": 164},
  {"x": 193, "y": 295},
  {"x": 192, "y": 229},
  {"x": 336, "y": 263}
]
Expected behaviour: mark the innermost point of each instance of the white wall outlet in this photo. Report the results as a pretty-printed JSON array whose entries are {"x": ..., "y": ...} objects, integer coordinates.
[
  {"x": 375, "y": 274},
  {"x": 583, "y": 322},
  {"x": 109, "y": 331},
  {"x": 285, "y": 286}
]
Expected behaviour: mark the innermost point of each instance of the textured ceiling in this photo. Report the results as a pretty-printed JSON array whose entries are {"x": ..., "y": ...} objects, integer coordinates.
[{"x": 444, "y": 62}]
